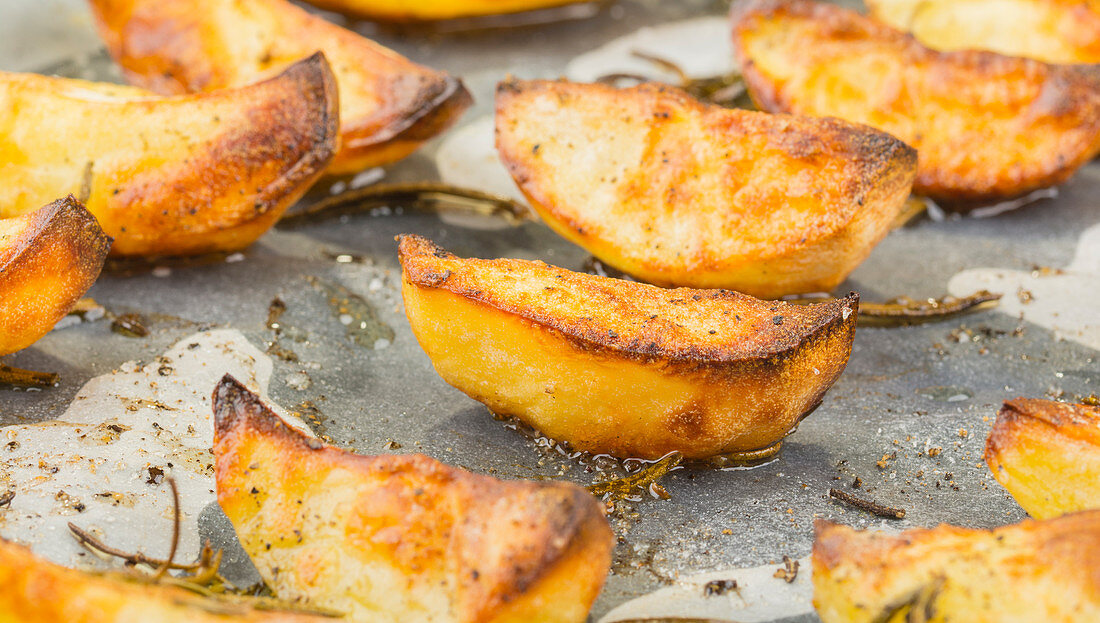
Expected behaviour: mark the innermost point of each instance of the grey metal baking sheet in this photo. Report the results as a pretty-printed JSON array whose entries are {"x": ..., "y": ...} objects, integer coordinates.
[{"x": 905, "y": 390}]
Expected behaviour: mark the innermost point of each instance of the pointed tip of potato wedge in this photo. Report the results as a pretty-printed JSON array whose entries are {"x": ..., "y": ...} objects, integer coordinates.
[
  {"x": 988, "y": 127},
  {"x": 174, "y": 175},
  {"x": 613, "y": 366},
  {"x": 422, "y": 536},
  {"x": 1047, "y": 455},
  {"x": 677, "y": 192},
  {"x": 48, "y": 260}
]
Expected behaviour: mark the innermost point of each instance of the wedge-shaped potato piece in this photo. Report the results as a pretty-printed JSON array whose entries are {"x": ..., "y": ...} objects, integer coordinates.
[
  {"x": 33, "y": 590},
  {"x": 1047, "y": 454},
  {"x": 1052, "y": 31},
  {"x": 388, "y": 105},
  {"x": 430, "y": 10},
  {"x": 618, "y": 367},
  {"x": 1031, "y": 571},
  {"x": 168, "y": 176},
  {"x": 681, "y": 193},
  {"x": 987, "y": 127},
  {"x": 48, "y": 259},
  {"x": 402, "y": 538}
]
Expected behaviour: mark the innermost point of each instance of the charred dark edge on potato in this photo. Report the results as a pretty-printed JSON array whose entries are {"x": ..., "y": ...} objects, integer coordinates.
[
  {"x": 571, "y": 514},
  {"x": 1060, "y": 417},
  {"x": 884, "y": 161},
  {"x": 315, "y": 82},
  {"x": 57, "y": 219},
  {"x": 830, "y": 320},
  {"x": 1080, "y": 85},
  {"x": 438, "y": 107}
]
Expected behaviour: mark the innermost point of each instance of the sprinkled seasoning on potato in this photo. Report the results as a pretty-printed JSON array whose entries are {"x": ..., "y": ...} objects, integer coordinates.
[{"x": 618, "y": 367}]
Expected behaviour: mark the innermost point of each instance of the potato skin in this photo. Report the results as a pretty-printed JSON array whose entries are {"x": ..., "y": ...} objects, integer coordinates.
[
  {"x": 1030, "y": 571},
  {"x": 431, "y": 10},
  {"x": 987, "y": 127},
  {"x": 1047, "y": 454},
  {"x": 1052, "y": 31},
  {"x": 388, "y": 105},
  {"x": 168, "y": 176},
  {"x": 616, "y": 367},
  {"x": 681, "y": 193},
  {"x": 38, "y": 591},
  {"x": 393, "y": 538},
  {"x": 48, "y": 260}
]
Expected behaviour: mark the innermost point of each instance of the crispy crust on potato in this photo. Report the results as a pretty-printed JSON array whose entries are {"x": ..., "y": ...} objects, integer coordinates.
[
  {"x": 1052, "y": 31},
  {"x": 37, "y": 591},
  {"x": 677, "y": 192},
  {"x": 1047, "y": 454},
  {"x": 388, "y": 538},
  {"x": 987, "y": 127},
  {"x": 388, "y": 105},
  {"x": 621, "y": 367},
  {"x": 1031, "y": 571},
  {"x": 168, "y": 176},
  {"x": 432, "y": 10},
  {"x": 48, "y": 260}
]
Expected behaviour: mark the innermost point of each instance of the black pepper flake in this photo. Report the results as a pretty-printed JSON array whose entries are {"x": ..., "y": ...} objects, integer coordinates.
[
  {"x": 777, "y": 320},
  {"x": 719, "y": 587}
]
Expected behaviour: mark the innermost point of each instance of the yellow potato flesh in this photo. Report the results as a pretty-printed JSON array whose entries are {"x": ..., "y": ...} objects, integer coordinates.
[
  {"x": 605, "y": 400},
  {"x": 1047, "y": 455},
  {"x": 1053, "y": 31},
  {"x": 428, "y": 10}
]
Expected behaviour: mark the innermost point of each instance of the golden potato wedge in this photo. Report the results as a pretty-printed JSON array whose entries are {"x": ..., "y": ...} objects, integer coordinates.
[
  {"x": 987, "y": 127},
  {"x": 619, "y": 367},
  {"x": 33, "y": 590},
  {"x": 168, "y": 176},
  {"x": 48, "y": 259},
  {"x": 1047, "y": 454},
  {"x": 402, "y": 538},
  {"x": 388, "y": 105},
  {"x": 681, "y": 193},
  {"x": 1030, "y": 571},
  {"x": 1052, "y": 31},
  {"x": 431, "y": 10}
]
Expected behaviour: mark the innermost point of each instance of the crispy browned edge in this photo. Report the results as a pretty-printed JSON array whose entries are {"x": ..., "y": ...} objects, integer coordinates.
[
  {"x": 306, "y": 108},
  {"x": 437, "y": 105},
  {"x": 567, "y": 520},
  {"x": 412, "y": 249},
  {"x": 1079, "y": 83},
  {"x": 1070, "y": 540},
  {"x": 66, "y": 223},
  {"x": 1071, "y": 420},
  {"x": 882, "y": 162}
]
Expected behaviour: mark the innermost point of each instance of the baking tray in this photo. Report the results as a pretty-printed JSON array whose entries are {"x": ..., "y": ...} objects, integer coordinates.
[{"x": 906, "y": 390}]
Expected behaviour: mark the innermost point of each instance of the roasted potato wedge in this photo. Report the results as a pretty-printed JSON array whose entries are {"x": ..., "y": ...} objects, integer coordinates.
[
  {"x": 388, "y": 105},
  {"x": 168, "y": 176},
  {"x": 1047, "y": 454},
  {"x": 400, "y": 538},
  {"x": 681, "y": 193},
  {"x": 48, "y": 259},
  {"x": 431, "y": 10},
  {"x": 33, "y": 590},
  {"x": 987, "y": 127},
  {"x": 1052, "y": 31},
  {"x": 618, "y": 367},
  {"x": 1031, "y": 571}
]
